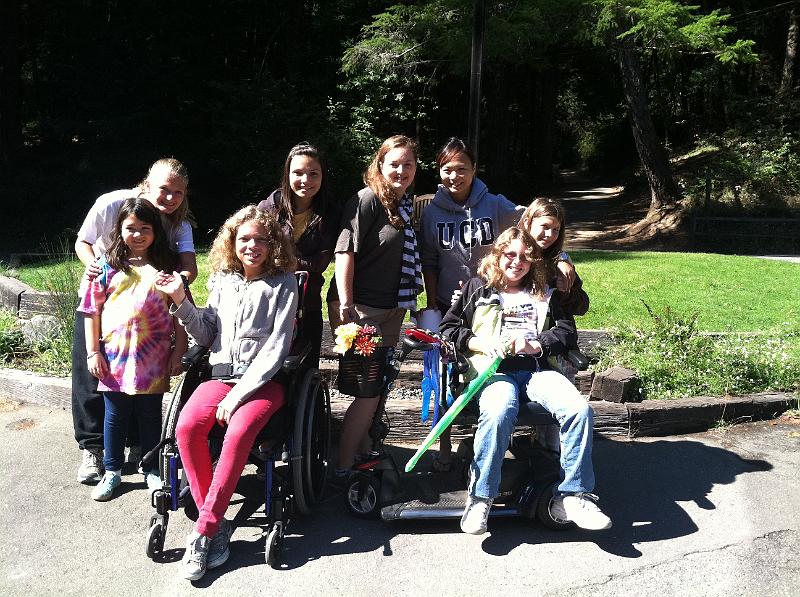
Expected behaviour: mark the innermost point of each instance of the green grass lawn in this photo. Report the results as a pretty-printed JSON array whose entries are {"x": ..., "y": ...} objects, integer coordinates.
[{"x": 728, "y": 292}]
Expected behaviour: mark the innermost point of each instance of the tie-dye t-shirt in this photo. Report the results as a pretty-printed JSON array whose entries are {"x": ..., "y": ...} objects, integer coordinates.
[{"x": 136, "y": 329}]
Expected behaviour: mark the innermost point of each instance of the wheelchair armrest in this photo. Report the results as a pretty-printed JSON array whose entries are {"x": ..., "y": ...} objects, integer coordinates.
[
  {"x": 293, "y": 361},
  {"x": 579, "y": 360},
  {"x": 193, "y": 356}
]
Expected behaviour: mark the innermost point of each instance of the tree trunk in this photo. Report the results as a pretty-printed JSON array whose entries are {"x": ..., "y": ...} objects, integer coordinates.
[
  {"x": 789, "y": 61},
  {"x": 10, "y": 82},
  {"x": 544, "y": 127},
  {"x": 663, "y": 191}
]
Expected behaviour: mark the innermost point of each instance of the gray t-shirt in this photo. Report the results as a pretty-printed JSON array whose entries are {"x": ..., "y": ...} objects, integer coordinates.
[{"x": 378, "y": 248}]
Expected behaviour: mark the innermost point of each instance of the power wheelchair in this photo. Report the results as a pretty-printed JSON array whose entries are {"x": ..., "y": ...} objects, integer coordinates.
[
  {"x": 531, "y": 470},
  {"x": 292, "y": 448}
]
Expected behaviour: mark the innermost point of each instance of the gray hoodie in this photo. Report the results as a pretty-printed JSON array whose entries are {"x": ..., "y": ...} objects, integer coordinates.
[{"x": 455, "y": 236}]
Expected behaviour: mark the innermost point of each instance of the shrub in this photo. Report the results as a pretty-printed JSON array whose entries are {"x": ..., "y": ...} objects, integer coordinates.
[{"x": 674, "y": 360}]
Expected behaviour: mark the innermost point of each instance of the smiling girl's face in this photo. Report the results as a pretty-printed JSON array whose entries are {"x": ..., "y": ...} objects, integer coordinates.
[
  {"x": 457, "y": 176},
  {"x": 545, "y": 231},
  {"x": 252, "y": 248},
  {"x": 399, "y": 167},
  {"x": 137, "y": 235}
]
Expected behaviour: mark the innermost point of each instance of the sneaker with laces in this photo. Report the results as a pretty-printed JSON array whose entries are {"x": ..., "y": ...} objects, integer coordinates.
[
  {"x": 104, "y": 490},
  {"x": 476, "y": 515},
  {"x": 580, "y": 508},
  {"x": 90, "y": 470},
  {"x": 194, "y": 562},
  {"x": 153, "y": 481},
  {"x": 218, "y": 550}
]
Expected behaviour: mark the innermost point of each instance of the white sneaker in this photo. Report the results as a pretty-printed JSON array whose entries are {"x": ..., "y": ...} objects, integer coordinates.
[
  {"x": 91, "y": 469},
  {"x": 153, "y": 481},
  {"x": 193, "y": 564},
  {"x": 580, "y": 508},
  {"x": 476, "y": 515},
  {"x": 104, "y": 490},
  {"x": 218, "y": 550}
]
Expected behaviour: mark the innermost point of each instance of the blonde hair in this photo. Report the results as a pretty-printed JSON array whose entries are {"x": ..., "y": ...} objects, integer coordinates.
[
  {"x": 489, "y": 269},
  {"x": 177, "y": 169},
  {"x": 280, "y": 248},
  {"x": 377, "y": 182}
]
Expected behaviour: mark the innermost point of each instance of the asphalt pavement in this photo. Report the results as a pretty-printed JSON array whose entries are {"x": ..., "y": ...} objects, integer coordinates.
[{"x": 705, "y": 514}]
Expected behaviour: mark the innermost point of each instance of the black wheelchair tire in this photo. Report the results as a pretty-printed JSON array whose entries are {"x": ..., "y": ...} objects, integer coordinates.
[
  {"x": 155, "y": 538},
  {"x": 310, "y": 441},
  {"x": 272, "y": 547}
]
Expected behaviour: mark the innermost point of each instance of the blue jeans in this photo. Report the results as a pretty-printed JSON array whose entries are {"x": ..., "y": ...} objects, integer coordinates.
[
  {"x": 119, "y": 407},
  {"x": 499, "y": 406}
]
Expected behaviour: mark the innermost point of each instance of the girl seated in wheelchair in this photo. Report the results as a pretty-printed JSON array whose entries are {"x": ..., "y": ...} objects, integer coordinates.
[
  {"x": 248, "y": 324},
  {"x": 507, "y": 312}
]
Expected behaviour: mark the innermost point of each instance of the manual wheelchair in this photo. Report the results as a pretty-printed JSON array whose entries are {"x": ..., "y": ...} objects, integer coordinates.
[
  {"x": 292, "y": 448},
  {"x": 531, "y": 470}
]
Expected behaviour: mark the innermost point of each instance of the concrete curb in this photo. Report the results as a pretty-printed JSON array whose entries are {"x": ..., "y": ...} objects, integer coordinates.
[{"x": 648, "y": 418}]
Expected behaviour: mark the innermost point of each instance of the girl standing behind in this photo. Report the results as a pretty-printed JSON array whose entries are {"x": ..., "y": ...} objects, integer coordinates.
[
  {"x": 166, "y": 188},
  {"x": 378, "y": 274},
  {"x": 248, "y": 324},
  {"x": 544, "y": 219},
  {"x": 508, "y": 312},
  {"x": 303, "y": 211},
  {"x": 129, "y": 336}
]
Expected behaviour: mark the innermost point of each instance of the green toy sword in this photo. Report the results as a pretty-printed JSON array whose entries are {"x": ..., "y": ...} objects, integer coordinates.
[{"x": 458, "y": 405}]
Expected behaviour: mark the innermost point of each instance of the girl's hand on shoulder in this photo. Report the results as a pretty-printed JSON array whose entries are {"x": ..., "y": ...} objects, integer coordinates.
[
  {"x": 225, "y": 409},
  {"x": 565, "y": 277},
  {"x": 171, "y": 284},
  {"x": 97, "y": 364},
  {"x": 93, "y": 270}
]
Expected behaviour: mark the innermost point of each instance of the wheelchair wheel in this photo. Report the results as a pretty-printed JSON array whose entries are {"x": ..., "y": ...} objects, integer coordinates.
[
  {"x": 310, "y": 440},
  {"x": 361, "y": 495},
  {"x": 155, "y": 536},
  {"x": 272, "y": 548},
  {"x": 544, "y": 515}
]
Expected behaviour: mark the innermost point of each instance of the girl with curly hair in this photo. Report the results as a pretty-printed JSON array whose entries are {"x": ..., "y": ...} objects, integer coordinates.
[
  {"x": 248, "y": 325},
  {"x": 507, "y": 312}
]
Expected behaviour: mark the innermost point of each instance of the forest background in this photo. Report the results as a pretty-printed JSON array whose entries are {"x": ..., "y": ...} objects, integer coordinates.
[{"x": 695, "y": 101}]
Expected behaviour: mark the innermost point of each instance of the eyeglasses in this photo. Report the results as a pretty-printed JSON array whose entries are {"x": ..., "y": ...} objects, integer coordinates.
[{"x": 511, "y": 256}]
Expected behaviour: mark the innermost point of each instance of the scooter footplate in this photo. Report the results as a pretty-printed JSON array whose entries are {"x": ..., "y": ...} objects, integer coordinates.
[{"x": 450, "y": 505}]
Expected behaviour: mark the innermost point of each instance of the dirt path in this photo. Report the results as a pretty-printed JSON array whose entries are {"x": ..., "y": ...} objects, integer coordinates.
[{"x": 597, "y": 211}]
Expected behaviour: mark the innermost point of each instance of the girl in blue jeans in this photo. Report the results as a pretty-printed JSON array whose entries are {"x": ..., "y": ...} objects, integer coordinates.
[{"x": 508, "y": 312}]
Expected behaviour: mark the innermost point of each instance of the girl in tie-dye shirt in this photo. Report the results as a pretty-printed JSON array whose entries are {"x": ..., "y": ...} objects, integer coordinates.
[{"x": 129, "y": 336}]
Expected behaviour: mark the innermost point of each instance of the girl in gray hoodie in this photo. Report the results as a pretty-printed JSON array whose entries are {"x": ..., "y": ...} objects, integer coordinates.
[{"x": 460, "y": 225}]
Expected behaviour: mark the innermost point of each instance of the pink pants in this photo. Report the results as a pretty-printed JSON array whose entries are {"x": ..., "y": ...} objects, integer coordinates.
[{"x": 212, "y": 490}]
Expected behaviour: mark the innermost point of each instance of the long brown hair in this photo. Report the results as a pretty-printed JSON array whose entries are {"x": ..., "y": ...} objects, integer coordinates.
[
  {"x": 319, "y": 204},
  {"x": 546, "y": 207},
  {"x": 158, "y": 253},
  {"x": 281, "y": 256},
  {"x": 375, "y": 180},
  {"x": 489, "y": 269}
]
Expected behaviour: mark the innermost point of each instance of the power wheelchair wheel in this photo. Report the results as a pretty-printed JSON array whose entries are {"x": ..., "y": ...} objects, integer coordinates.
[
  {"x": 361, "y": 495},
  {"x": 545, "y": 516},
  {"x": 311, "y": 440}
]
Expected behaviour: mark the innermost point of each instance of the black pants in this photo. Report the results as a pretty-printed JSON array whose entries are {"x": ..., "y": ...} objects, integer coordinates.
[
  {"x": 312, "y": 332},
  {"x": 88, "y": 407}
]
